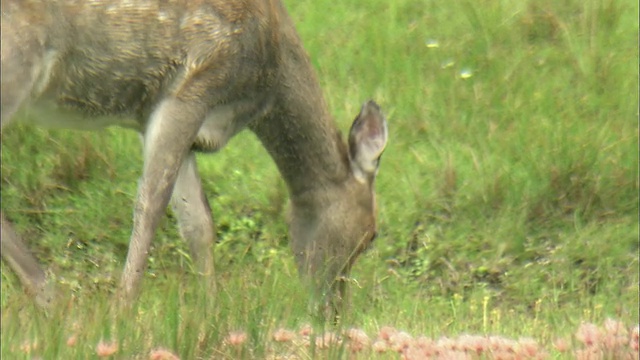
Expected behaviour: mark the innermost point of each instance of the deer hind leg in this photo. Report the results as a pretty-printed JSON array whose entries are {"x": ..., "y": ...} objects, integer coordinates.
[
  {"x": 25, "y": 265},
  {"x": 192, "y": 210},
  {"x": 22, "y": 67}
]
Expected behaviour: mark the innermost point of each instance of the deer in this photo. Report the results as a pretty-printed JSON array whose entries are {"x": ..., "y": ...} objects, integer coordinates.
[{"x": 188, "y": 76}]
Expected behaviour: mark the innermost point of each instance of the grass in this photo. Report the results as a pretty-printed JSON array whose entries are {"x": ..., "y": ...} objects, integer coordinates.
[{"x": 508, "y": 194}]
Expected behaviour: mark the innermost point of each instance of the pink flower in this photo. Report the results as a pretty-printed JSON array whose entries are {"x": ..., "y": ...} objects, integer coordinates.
[
  {"x": 358, "y": 339},
  {"x": 162, "y": 354},
  {"x": 326, "y": 340},
  {"x": 590, "y": 353},
  {"x": 306, "y": 330},
  {"x": 427, "y": 345},
  {"x": 501, "y": 344},
  {"x": 400, "y": 341},
  {"x": 473, "y": 344},
  {"x": 386, "y": 332},
  {"x": 528, "y": 347},
  {"x": 616, "y": 334},
  {"x": 236, "y": 338},
  {"x": 445, "y": 344},
  {"x": 414, "y": 353},
  {"x": 613, "y": 342},
  {"x": 454, "y": 355},
  {"x": 635, "y": 334},
  {"x": 283, "y": 335},
  {"x": 356, "y": 334},
  {"x": 588, "y": 334},
  {"x": 380, "y": 346},
  {"x": 28, "y": 346},
  {"x": 72, "y": 340},
  {"x": 614, "y": 327},
  {"x": 542, "y": 354},
  {"x": 503, "y": 355},
  {"x": 561, "y": 344},
  {"x": 105, "y": 349}
]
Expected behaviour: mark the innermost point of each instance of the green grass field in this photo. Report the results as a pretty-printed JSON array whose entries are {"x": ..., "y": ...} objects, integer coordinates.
[{"x": 508, "y": 193}]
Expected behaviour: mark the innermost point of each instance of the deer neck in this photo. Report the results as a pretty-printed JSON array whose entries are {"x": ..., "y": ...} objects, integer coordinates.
[
  {"x": 302, "y": 139},
  {"x": 299, "y": 133}
]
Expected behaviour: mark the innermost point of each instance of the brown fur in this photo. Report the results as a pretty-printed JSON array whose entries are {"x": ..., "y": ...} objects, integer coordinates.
[{"x": 189, "y": 75}]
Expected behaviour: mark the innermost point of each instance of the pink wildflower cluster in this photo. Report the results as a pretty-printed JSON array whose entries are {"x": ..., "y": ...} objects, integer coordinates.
[
  {"x": 390, "y": 340},
  {"x": 162, "y": 354},
  {"x": 236, "y": 338},
  {"x": 611, "y": 341},
  {"x": 106, "y": 348},
  {"x": 463, "y": 347},
  {"x": 110, "y": 348}
]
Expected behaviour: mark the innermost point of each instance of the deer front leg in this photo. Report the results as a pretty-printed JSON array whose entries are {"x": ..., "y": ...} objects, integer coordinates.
[
  {"x": 167, "y": 140},
  {"x": 16, "y": 254},
  {"x": 193, "y": 213}
]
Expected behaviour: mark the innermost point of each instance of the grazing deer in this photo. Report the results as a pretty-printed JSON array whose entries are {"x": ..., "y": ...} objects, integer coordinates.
[{"x": 188, "y": 75}]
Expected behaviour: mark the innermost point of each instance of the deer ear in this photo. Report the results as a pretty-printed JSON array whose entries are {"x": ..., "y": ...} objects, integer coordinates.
[{"x": 367, "y": 140}]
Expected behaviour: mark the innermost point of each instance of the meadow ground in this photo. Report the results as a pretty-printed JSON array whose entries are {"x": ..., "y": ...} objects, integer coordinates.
[{"x": 508, "y": 200}]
